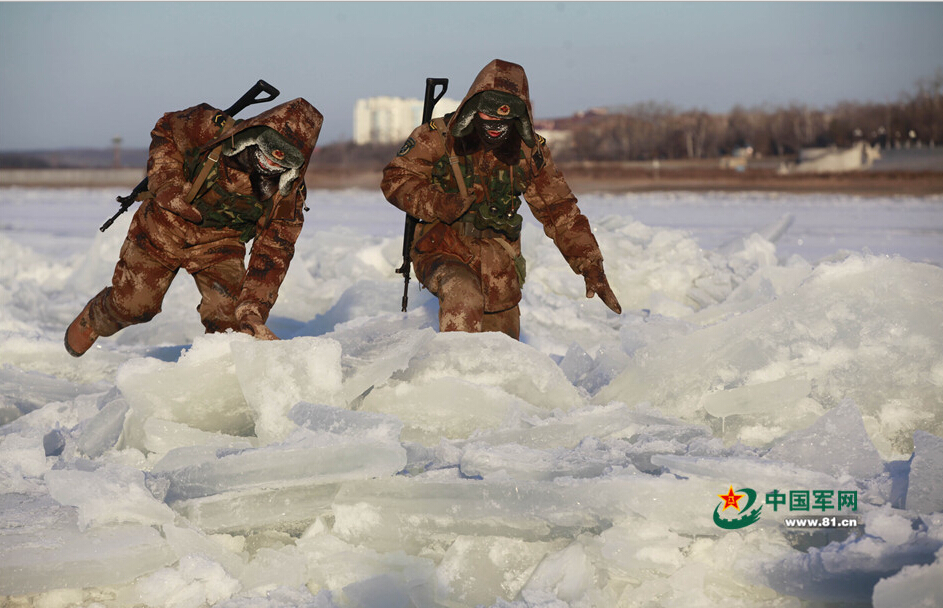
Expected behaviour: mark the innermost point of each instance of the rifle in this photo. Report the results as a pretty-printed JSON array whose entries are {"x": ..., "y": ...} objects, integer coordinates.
[
  {"x": 428, "y": 104},
  {"x": 249, "y": 98}
]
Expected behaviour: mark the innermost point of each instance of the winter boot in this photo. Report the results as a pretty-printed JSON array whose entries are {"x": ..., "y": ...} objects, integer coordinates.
[{"x": 80, "y": 336}]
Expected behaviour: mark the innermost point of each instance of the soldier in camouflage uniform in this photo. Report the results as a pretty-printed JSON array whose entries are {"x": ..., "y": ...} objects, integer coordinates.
[
  {"x": 462, "y": 177},
  {"x": 214, "y": 184}
]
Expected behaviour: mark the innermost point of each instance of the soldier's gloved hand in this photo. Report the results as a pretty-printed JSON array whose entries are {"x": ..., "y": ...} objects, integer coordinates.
[
  {"x": 171, "y": 199},
  {"x": 596, "y": 283},
  {"x": 253, "y": 325},
  {"x": 453, "y": 206}
]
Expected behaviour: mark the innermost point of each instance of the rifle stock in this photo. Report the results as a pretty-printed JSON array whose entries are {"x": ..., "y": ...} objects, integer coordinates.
[
  {"x": 250, "y": 97},
  {"x": 428, "y": 105}
]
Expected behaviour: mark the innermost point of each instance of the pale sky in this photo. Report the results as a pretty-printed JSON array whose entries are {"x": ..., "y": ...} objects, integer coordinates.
[{"x": 77, "y": 74}]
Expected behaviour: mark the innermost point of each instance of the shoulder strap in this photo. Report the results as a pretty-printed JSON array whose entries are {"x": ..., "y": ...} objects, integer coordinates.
[
  {"x": 439, "y": 125},
  {"x": 207, "y": 166}
]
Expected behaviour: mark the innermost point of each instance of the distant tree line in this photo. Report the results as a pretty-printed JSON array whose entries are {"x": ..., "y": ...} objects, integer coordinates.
[{"x": 651, "y": 131}]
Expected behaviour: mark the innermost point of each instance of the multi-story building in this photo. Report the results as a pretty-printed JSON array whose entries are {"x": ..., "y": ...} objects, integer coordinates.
[{"x": 388, "y": 120}]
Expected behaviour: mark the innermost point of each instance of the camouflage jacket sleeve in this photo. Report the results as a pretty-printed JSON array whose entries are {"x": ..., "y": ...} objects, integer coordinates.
[
  {"x": 173, "y": 136},
  {"x": 407, "y": 180},
  {"x": 271, "y": 254},
  {"x": 554, "y": 205}
]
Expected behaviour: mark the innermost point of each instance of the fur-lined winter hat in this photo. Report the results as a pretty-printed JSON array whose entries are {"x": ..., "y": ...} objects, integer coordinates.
[
  {"x": 276, "y": 149},
  {"x": 497, "y": 104}
]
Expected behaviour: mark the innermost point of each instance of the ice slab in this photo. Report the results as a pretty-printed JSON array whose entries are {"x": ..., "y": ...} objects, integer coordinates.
[
  {"x": 200, "y": 390},
  {"x": 302, "y": 458},
  {"x": 459, "y": 383},
  {"x": 101, "y": 432},
  {"x": 848, "y": 571},
  {"x": 523, "y": 463},
  {"x": 276, "y": 375},
  {"x": 916, "y": 585},
  {"x": 925, "y": 487},
  {"x": 374, "y": 350},
  {"x": 46, "y": 550},
  {"x": 106, "y": 495},
  {"x": 864, "y": 328},
  {"x": 447, "y": 407},
  {"x": 22, "y": 392},
  {"x": 836, "y": 444},
  {"x": 502, "y": 567},
  {"x": 413, "y": 514},
  {"x": 755, "y": 399},
  {"x": 336, "y": 424},
  {"x": 289, "y": 509},
  {"x": 493, "y": 359}
]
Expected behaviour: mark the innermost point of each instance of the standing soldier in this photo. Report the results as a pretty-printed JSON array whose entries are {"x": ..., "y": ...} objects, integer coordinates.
[
  {"x": 215, "y": 184},
  {"x": 462, "y": 177}
]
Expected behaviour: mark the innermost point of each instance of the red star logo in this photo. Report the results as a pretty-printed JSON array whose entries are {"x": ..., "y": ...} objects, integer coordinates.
[{"x": 731, "y": 499}]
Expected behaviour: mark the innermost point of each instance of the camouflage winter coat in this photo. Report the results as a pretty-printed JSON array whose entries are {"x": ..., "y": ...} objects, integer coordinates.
[
  {"x": 421, "y": 182},
  {"x": 180, "y": 143}
]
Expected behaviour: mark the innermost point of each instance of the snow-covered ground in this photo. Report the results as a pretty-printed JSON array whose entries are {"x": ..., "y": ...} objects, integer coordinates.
[{"x": 785, "y": 349}]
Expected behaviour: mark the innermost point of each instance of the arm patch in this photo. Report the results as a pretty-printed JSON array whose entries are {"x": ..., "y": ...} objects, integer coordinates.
[{"x": 409, "y": 145}]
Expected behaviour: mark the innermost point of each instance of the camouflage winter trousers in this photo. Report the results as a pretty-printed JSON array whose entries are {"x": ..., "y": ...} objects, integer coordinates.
[
  {"x": 140, "y": 282},
  {"x": 462, "y": 303}
]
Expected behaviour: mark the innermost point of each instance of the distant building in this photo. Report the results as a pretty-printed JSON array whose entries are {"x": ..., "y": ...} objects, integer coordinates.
[{"x": 389, "y": 120}]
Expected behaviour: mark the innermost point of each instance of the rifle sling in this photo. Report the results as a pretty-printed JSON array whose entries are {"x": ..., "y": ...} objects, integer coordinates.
[
  {"x": 211, "y": 160},
  {"x": 439, "y": 125}
]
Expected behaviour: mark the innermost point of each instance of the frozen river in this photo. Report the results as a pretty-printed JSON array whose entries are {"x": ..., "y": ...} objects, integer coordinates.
[{"x": 772, "y": 347}]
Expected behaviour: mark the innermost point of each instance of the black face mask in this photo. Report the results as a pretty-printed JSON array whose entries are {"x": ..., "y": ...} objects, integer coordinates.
[
  {"x": 262, "y": 176},
  {"x": 500, "y": 128}
]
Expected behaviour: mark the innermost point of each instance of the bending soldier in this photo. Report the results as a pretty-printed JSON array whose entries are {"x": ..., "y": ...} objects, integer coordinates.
[
  {"x": 214, "y": 185},
  {"x": 462, "y": 177}
]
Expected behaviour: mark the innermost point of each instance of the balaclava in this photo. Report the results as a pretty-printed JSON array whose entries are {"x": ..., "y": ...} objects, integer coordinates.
[
  {"x": 507, "y": 108},
  {"x": 269, "y": 159}
]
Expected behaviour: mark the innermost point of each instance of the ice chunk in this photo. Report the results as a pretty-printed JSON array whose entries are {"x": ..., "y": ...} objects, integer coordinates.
[
  {"x": 836, "y": 444},
  {"x": 22, "y": 392},
  {"x": 848, "y": 571},
  {"x": 752, "y": 399},
  {"x": 925, "y": 488},
  {"x": 446, "y": 407},
  {"x": 568, "y": 429},
  {"x": 373, "y": 351},
  {"x": 411, "y": 514},
  {"x": 289, "y": 509},
  {"x": 164, "y": 436},
  {"x": 102, "y": 431},
  {"x": 195, "y": 582},
  {"x": 842, "y": 328},
  {"x": 200, "y": 390},
  {"x": 916, "y": 586},
  {"x": 567, "y": 574},
  {"x": 494, "y": 359},
  {"x": 109, "y": 494},
  {"x": 335, "y": 564},
  {"x": 346, "y": 424},
  {"x": 519, "y": 462},
  {"x": 591, "y": 373},
  {"x": 302, "y": 458},
  {"x": 463, "y": 382},
  {"x": 22, "y": 462},
  {"x": 501, "y": 565},
  {"x": 66, "y": 557},
  {"x": 276, "y": 375}
]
